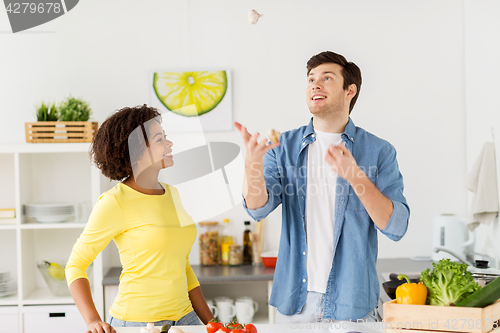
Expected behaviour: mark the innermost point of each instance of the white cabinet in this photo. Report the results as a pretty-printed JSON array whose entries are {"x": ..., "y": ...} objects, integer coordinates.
[
  {"x": 9, "y": 317},
  {"x": 53, "y": 318},
  {"x": 32, "y": 173}
]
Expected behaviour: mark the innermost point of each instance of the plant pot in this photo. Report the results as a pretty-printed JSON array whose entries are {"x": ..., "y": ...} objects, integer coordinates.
[{"x": 60, "y": 131}]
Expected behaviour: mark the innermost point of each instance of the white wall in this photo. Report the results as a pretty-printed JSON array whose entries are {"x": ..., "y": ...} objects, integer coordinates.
[
  {"x": 411, "y": 54},
  {"x": 482, "y": 51}
]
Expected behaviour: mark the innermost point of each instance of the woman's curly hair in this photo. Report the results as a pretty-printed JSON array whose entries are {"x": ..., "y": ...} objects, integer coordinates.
[{"x": 109, "y": 150}]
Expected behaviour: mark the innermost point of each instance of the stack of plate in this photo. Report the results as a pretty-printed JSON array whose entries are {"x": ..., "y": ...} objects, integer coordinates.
[
  {"x": 7, "y": 285},
  {"x": 50, "y": 213}
]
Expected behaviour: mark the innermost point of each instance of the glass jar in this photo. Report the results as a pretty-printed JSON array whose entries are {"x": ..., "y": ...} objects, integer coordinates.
[
  {"x": 235, "y": 255},
  {"x": 209, "y": 243}
]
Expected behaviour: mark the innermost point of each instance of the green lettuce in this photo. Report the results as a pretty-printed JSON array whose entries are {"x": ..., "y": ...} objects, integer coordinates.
[{"x": 448, "y": 283}]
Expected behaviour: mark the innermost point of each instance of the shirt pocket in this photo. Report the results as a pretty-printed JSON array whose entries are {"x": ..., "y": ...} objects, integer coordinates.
[{"x": 353, "y": 202}]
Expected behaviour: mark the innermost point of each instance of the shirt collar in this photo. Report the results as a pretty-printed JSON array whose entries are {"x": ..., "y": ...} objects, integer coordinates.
[
  {"x": 349, "y": 131},
  {"x": 309, "y": 129}
]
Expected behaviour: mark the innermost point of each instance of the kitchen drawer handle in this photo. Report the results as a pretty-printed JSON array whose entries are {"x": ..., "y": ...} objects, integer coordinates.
[{"x": 57, "y": 314}]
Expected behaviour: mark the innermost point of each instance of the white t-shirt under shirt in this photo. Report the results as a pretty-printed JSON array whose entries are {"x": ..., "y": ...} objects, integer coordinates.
[{"x": 320, "y": 211}]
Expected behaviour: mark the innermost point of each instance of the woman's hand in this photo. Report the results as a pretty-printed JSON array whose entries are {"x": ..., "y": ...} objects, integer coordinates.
[
  {"x": 100, "y": 327},
  {"x": 80, "y": 291}
]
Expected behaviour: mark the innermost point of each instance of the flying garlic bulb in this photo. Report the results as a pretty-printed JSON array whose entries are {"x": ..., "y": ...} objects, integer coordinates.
[
  {"x": 274, "y": 136},
  {"x": 253, "y": 16}
]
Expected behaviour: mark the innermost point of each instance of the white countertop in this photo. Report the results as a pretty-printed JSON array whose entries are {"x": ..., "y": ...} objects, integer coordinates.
[{"x": 337, "y": 327}]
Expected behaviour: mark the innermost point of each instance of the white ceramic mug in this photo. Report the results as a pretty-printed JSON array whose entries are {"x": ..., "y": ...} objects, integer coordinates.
[
  {"x": 249, "y": 300},
  {"x": 244, "y": 312},
  {"x": 212, "y": 307},
  {"x": 225, "y": 308}
]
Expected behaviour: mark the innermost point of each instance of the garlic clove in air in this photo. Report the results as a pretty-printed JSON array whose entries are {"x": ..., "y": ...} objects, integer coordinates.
[
  {"x": 144, "y": 330},
  {"x": 274, "y": 136},
  {"x": 253, "y": 16},
  {"x": 150, "y": 326}
]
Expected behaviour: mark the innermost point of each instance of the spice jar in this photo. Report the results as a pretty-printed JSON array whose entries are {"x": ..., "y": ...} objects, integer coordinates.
[
  {"x": 209, "y": 243},
  {"x": 235, "y": 255}
]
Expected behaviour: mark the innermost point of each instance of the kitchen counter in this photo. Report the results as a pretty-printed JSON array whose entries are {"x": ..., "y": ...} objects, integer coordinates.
[
  {"x": 249, "y": 273},
  {"x": 224, "y": 274},
  {"x": 211, "y": 274},
  {"x": 207, "y": 275},
  {"x": 337, "y": 327}
]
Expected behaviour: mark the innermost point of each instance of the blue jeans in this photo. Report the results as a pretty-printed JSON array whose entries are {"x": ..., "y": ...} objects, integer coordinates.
[
  {"x": 190, "y": 319},
  {"x": 312, "y": 312}
]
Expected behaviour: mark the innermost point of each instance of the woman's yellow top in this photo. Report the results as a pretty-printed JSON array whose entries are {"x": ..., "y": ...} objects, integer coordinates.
[{"x": 154, "y": 236}]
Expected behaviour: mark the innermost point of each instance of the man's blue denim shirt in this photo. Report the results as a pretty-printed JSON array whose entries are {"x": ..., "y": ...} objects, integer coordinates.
[{"x": 353, "y": 287}]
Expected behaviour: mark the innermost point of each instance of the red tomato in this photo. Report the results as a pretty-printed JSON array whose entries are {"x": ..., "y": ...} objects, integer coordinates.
[
  {"x": 234, "y": 324},
  {"x": 213, "y": 327},
  {"x": 250, "y": 328},
  {"x": 237, "y": 330}
]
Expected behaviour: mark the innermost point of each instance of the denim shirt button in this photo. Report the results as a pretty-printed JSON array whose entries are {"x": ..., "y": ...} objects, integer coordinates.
[
  {"x": 303, "y": 253},
  {"x": 304, "y": 280}
]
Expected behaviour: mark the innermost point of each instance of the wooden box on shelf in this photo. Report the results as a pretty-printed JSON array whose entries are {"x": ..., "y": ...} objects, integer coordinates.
[
  {"x": 406, "y": 318},
  {"x": 60, "y": 131}
]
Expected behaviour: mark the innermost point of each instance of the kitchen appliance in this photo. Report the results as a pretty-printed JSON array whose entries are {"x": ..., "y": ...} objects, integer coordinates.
[
  {"x": 482, "y": 273},
  {"x": 450, "y": 233}
]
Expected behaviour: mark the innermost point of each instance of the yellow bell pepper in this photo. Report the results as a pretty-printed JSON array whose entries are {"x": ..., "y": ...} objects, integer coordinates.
[{"x": 411, "y": 293}]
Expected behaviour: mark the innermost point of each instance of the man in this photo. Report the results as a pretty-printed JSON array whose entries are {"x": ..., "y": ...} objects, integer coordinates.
[{"x": 338, "y": 185}]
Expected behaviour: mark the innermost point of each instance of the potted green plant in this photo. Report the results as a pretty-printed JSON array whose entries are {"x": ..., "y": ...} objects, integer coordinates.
[
  {"x": 45, "y": 112},
  {"x": 74, "y": 109},
  {"x": 69, "y": 122}
]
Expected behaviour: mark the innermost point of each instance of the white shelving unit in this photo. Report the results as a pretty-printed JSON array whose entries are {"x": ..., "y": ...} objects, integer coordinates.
[
  {"x": 37, "y": 173},
  {"x": 57, "y": 172}
]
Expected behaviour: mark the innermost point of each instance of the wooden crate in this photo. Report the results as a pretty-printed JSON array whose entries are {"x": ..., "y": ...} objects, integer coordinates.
[
  {"x": 401, "y": 318},
  {"x": 60, "y": 131}
]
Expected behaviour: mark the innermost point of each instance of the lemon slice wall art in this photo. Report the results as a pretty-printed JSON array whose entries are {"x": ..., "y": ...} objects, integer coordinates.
[{"x": 189, "y": 98}]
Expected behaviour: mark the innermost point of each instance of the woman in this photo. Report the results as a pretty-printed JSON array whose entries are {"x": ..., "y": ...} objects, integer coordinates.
[{"x": 149, "y": 225}]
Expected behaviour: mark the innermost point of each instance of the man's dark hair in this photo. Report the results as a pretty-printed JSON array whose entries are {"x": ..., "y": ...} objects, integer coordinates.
[
  {"x": 110, "y": 147},
  {"x": 350, "y": 72}
]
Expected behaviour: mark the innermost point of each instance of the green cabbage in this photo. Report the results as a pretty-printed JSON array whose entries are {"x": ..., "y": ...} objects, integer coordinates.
[{"x": 448, "y": 283}]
